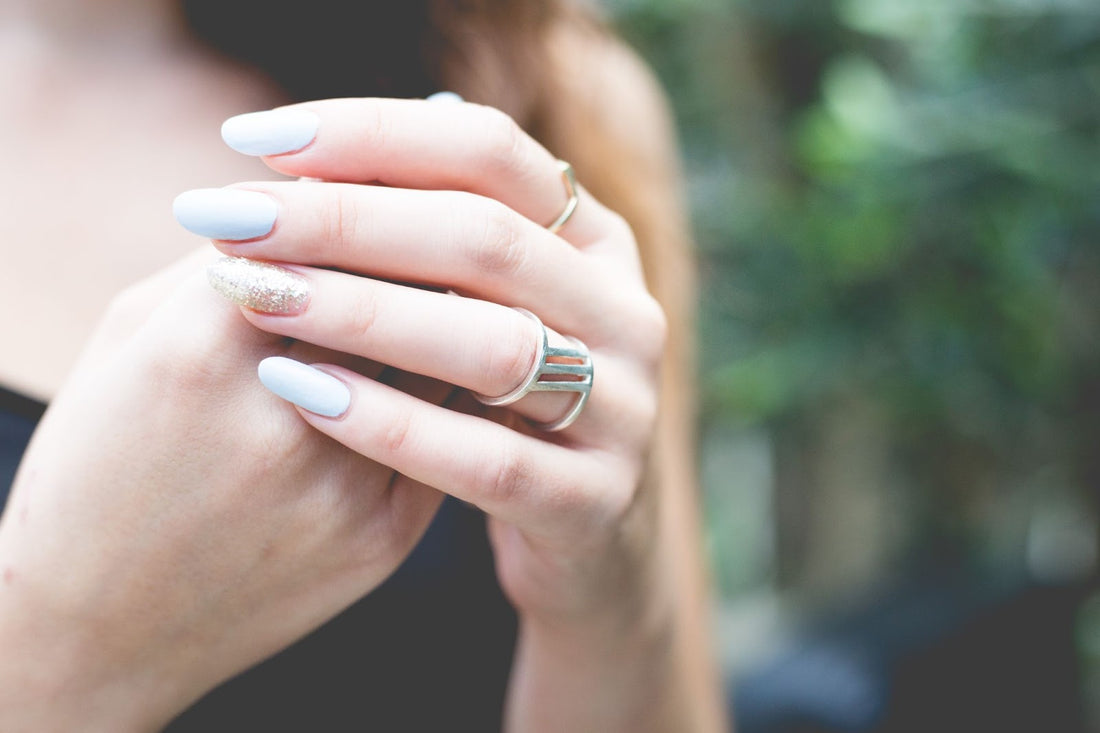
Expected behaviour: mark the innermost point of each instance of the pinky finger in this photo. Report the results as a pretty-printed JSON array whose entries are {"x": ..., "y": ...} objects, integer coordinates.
[{"x": 546, "y": 489}]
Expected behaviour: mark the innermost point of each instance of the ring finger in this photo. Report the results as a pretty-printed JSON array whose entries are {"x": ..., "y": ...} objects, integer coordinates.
[{"x": 486, "y": 348}]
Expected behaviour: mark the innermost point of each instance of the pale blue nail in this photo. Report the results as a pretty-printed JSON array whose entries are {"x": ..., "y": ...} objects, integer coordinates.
[
  {"x": 226, "y": 213},
  {"x": 305, "y": 386},
  {"x": 274, "y": 132},
  {"x": 446, "y": 97}
]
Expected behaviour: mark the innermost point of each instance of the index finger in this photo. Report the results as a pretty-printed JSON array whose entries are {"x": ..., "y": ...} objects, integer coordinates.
[{"x": 417, "y": 144}]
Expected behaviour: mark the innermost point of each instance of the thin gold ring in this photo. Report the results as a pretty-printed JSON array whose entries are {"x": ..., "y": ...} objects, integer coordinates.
[{"x": 570, "y": 180}]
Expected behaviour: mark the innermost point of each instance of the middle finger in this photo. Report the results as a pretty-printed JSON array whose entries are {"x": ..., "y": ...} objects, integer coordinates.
[{"x": 445, "y": 239}]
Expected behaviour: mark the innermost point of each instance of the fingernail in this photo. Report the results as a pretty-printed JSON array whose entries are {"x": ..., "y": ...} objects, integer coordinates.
[
  {"x": 446, "y": 97},
  {"x": 273, "y": 132},
  {"x": 259, "y": 285},
  {"x": 305, "y": 386},
  {"x": 226, "y": 213}
]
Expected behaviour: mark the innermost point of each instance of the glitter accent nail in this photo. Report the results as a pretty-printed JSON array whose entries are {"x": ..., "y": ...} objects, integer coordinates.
[{"x": 259, "y": 285}]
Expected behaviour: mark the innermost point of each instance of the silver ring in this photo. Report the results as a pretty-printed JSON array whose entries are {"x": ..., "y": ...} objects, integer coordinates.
[
  {"x": 569, "y": 178},
  {"x": 556, "y": 369}
]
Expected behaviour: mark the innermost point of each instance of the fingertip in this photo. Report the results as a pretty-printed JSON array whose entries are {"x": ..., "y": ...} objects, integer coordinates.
[
  {"x": 226, "y": 213},
  {"x": 305, "y": 386},
  {"x": 445, "y": 98},
  {"x": 259, "y": 286},
  {"x": 272, "y": 132}
]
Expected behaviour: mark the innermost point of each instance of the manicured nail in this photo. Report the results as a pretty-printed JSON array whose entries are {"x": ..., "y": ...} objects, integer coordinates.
[
  {"x": 259, "y": 286},
  {"x": 274, "y": 132},
  {"x": 226, "y": 213},
  {"x": 446, "y": 97},
  {"x": 305, "y": 386}
]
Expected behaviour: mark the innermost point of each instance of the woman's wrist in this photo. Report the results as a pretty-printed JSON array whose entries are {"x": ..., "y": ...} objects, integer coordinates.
[
  {"x": 616, "y": 677},
  {"x": 56, "y": 674},
  {"x": 618, "y": 663},
  {"x": 624, "y": 658}
]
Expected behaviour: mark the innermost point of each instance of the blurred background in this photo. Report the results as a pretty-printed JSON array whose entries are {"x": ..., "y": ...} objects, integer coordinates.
[{"x": 897, "y": 205}]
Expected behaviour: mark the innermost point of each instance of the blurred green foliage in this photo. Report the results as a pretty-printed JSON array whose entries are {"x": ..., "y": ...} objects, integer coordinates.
[{"x": 898, "y": 207}]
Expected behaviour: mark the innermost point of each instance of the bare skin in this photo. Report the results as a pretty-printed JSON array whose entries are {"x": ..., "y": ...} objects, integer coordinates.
[
  {"x": 69, "y": 248},
  {"x": 111, "y": 219}
]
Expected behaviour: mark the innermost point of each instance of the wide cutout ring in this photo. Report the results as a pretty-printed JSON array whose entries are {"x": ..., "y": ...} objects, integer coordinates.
[{"x": 558, "y": 368}]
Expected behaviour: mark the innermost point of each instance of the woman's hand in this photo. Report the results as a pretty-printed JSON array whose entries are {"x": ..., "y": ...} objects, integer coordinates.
[
  {"x": 464, "y": 199},
  {"x": 173, "y": 523}
]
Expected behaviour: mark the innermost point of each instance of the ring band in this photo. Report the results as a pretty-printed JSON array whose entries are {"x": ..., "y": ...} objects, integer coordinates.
[
  {"x": 574, "y": 362},
  {"x": 569, "y": 178}
]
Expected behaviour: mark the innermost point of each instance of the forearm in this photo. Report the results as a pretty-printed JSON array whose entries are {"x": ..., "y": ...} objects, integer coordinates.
[
  {"x": 607, "y": 677},
  {"x": 28, "y": 706},
  {"x": 69, "y": 660},
  {"x": 641, "y": 662},
  {"x": 50, "y": 681}
]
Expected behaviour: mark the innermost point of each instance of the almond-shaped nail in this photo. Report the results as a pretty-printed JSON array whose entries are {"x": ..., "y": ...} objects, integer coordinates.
[
  {"x": 226, "y": 213},
  {"x": 305, "y": 386},
  {"x": 259, "y": 285},
  {"x": 274, "y": 132},
  {"x": 445, "y": 97}
]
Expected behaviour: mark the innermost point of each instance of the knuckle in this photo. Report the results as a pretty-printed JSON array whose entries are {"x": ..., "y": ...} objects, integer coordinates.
[
  {"x": 511, "y": 356},
  {"x": 646, "y": 340},
  {"x": 505, "y": 152},
  {"x": 647, "y": 411},
  {"x": 185, "y": 364},
  {"x": 620, "y": 235},
  {"x": 617, "y": 499},
  {"x": 619, "y": 503},
  {"x": 618, "y": 226},
  {"x": 653, "y": 325},
  {"x": 362, "y": 315},
  {"x": 272, "y": 444},
  {"x": 340, "y": 226},
  {"x": 179, "y": 370},
  {"x": 374, "y": 127},
  {"x": 498, "y": 250},
  {"x": 504, "y": 477},
  {"x": 188, "y": 354},
  {"x": 396, "y": 434}
]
